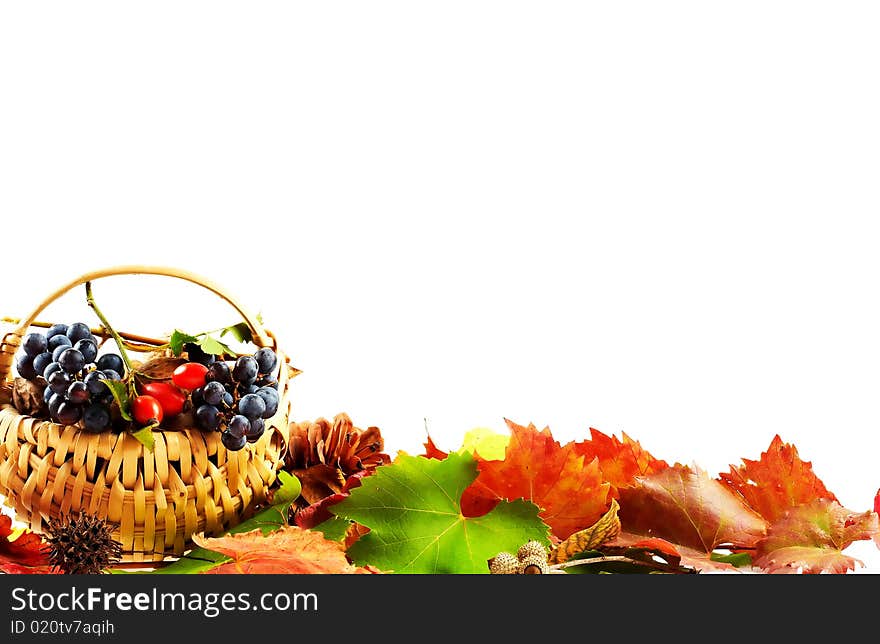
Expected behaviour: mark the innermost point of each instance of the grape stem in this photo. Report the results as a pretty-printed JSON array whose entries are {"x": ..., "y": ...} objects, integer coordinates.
[{"x": 90, "y": 299}]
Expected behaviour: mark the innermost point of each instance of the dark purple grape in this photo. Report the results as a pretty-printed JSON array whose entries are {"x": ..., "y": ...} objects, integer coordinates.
[
  {"x": 24, "y": 365},
  {"x": 54, "y": 404},
  {"x": 266, "y": 359},
  {"x": 34, "y": 344},
  {"x": 47, "y": 395},
  {"x": 110, "y": 362},
  {"x": 58, "y": 351},
  {"x": 232, "y": 443},
  {"x": 208, "y": 417},
  {"x": 78, "y": 392},
  {"x": 79, "y": 331},
  {"x": 110, "y": 374},
  {"x": 58, "y": 341},
  {"x": 219, "y": 372},
  {"x": 69, "y": 413},
  {"x": 238, "y": 426},
  {"x": 228, "y": 400},
  {"x": 252, "y": 406},
  {"x": 270, "y": 397},
  {"x": 51, "y": 368},
  {"x": 256, "y": 429},
  {"x": 59, "y": 381},
  {"x": 71, "y": 360},
  {"x": 42, "y": 361},
  {"x": 93, "y": 382},
  {"x": 197, "y": 397},
  {"x": 195, "y": 353},
  {"x": 245, "y": 370},
  {"x": 96, "y": 418},
  {"x": 247, "y": 389},
  {"x": 213, "y": 393},
  {"x": 88, "y": 348},
  {"x": 56, "y": 329}
]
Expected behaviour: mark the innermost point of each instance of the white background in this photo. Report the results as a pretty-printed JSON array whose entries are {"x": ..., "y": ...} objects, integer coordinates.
[{"x": 657, "y": 218}]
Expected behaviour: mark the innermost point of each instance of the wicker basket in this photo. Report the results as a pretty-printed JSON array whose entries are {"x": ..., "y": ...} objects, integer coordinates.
[{"x": 189, "y": 483}]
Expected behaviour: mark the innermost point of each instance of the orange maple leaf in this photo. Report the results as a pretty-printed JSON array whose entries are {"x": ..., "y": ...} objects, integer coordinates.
[
  {"x": 432, "y": 451},
  {"x": 288, "y": 550},
  {"x": 26, "y": 554},
  {"x": 777, "y": 482},
  {"x": 566, "y": 486},
  {"x": 689, "y": 508},
  {"x": 812, "y": 538},
  {"x": 619, "y": 461}
]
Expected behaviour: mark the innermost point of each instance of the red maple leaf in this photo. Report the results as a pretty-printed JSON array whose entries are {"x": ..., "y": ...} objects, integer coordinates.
[
  {"x": 619, "y": 460},
  {"x": 566, "y": 486},
  {"x": 812, "y": 537},
  {"x": 777, "y": 482},
  {"x": 690, "y": 509},
  {"x": 25, "y": 555}
]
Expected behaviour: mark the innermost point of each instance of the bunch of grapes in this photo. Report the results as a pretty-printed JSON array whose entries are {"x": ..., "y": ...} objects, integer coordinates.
[
  {"x": 233, "y": 397},
  {"x": 65, "y": 360}
]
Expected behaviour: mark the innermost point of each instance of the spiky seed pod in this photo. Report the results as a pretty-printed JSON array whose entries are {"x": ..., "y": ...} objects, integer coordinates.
[
  {"x": 504, "y": 563},
  {"x": 81, "y": 545},
  {"x": 534, "y": 565},
  {"x": 531, "y": 549}
]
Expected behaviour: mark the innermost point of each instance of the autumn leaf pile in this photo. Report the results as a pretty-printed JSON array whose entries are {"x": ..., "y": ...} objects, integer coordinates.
[{"x": 602, "y": 504}]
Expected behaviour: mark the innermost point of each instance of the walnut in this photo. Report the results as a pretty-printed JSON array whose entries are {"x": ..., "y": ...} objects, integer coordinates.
[
  {"x": 27, "y": 398},
  {"x": 160, "y": 366}
]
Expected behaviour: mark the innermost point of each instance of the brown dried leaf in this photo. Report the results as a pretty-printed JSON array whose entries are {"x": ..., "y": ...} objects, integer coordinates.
[{"x": 605, "y": 529}]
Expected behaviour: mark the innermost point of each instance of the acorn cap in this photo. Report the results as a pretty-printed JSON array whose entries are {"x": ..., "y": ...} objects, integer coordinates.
[
  {"x": 531, "y": 549},
  {"x": 504, "y": 563},
  {"x": 534, "y": 565}
]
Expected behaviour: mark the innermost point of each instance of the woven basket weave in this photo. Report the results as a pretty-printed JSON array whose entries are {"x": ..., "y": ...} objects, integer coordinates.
[{"x": 189, "y": 483}]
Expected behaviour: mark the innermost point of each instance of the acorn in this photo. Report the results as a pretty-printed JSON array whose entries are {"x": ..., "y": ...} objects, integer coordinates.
[
  {"x": 81, "y": 545},
  {"x": 531, "y": 549},
  {"x": 504, "y": 563},
  {"x": 534, "y": 565}
]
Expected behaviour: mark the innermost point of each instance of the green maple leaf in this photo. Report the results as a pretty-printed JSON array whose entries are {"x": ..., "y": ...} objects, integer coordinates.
[{"x": 413, "y": 510}]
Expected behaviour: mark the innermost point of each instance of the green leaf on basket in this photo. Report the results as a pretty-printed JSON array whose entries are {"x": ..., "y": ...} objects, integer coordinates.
[
  {"x": 268, "y": 520},
  {"x": 736, "y": 559},
  {"x": 240, "y": 331},
  {"x": 145, "y": 436},
  {"x": 120, "y": 395},
  {"x": 413, "y": 510},
  {"x": 289, "y": 491},
  {"x": 178, "y": 339},
  {"x": 213, "y": 346}
]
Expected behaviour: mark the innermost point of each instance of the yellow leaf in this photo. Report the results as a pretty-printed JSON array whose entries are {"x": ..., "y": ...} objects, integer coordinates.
[{"x": 488, "y": 444}]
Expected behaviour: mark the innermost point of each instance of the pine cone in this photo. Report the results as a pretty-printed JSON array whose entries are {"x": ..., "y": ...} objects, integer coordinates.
[{"x": 324, "y": 454}]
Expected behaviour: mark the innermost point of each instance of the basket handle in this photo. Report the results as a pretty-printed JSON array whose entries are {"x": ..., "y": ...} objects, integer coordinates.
[{"x": 260, "y": 337}]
